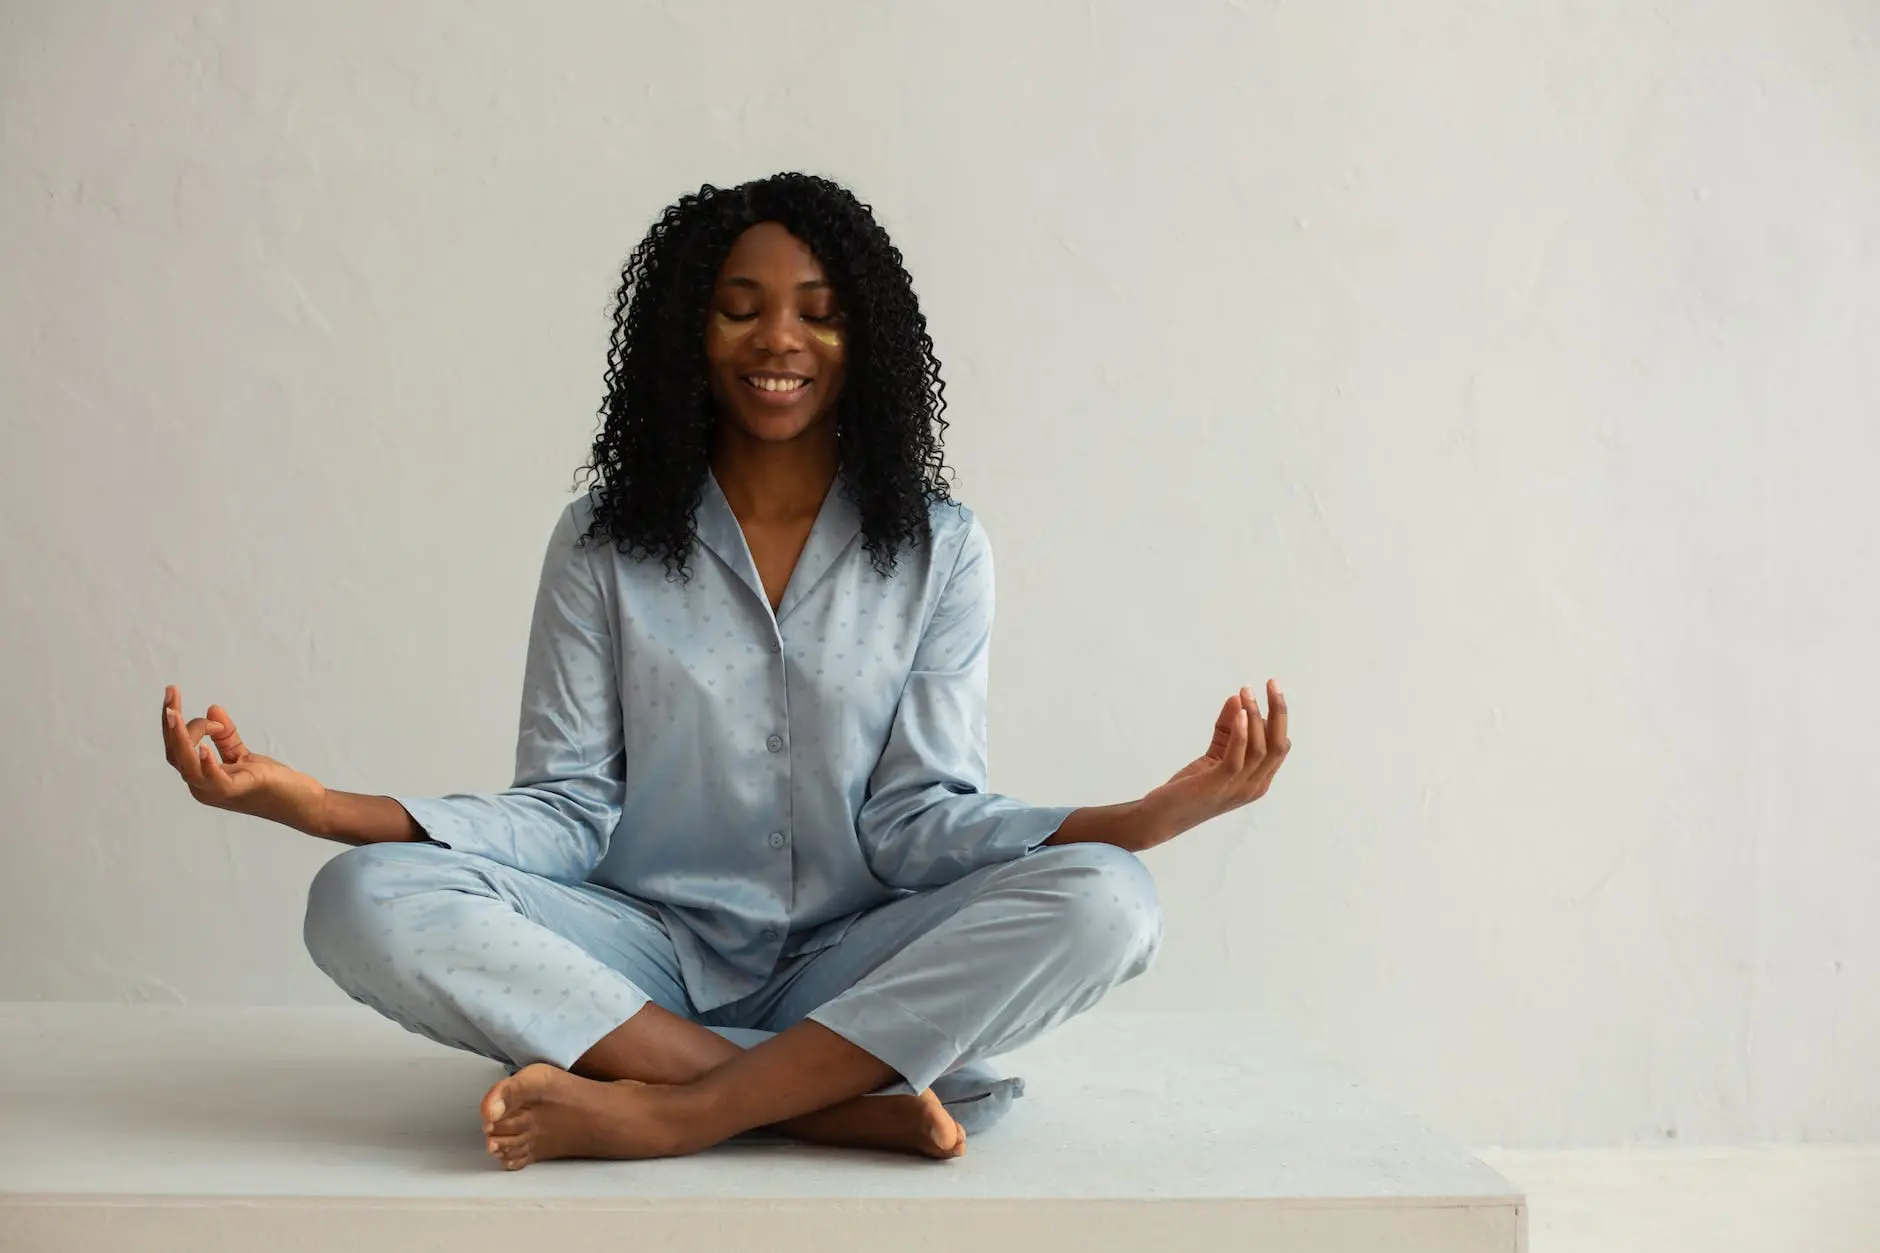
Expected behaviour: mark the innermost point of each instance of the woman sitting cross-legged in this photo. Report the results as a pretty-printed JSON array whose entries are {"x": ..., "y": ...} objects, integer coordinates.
[{"x": 749, "y": 874}]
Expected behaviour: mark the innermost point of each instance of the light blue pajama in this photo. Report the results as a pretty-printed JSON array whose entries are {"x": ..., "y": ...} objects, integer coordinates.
[{"x": 747, "y": 818}]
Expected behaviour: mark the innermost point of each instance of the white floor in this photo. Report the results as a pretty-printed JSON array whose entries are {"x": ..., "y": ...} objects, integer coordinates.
[{"x": 206, "y": 1129}]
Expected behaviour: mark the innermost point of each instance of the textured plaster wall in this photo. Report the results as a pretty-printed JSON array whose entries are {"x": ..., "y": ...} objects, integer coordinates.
[{"x": 1503, "y": 378}]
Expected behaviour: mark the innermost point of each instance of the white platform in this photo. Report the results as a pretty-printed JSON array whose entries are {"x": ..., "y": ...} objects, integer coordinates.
[
  {"x": 1774, "y": 1198},
  {"x": 294, "y": 1129}
]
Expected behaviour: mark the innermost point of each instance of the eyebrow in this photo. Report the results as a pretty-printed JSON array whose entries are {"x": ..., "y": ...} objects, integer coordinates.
[{"x": 806, "y": 285}]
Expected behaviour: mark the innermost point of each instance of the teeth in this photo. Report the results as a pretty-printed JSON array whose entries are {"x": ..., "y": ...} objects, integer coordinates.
[{"x": 778, "y": 385}]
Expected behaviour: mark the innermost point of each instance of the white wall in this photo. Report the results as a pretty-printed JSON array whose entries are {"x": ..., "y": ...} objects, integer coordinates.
[{"x": 1500, "y": 377}]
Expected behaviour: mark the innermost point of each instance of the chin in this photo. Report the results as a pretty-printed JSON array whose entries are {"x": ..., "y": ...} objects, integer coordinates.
[{"x": 775, "y": 428}]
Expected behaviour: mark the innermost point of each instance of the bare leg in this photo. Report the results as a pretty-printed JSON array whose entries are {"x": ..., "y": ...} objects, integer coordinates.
[
  {"x": 658, "y": 1047},
  {"x": 542, "y": 1112}
]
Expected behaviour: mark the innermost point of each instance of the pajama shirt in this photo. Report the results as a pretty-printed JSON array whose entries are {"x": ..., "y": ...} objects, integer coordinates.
[{"x": 749, "y": 818}]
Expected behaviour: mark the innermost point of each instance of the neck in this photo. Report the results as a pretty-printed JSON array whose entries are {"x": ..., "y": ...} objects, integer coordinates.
[{"x": 769, "y": 482}]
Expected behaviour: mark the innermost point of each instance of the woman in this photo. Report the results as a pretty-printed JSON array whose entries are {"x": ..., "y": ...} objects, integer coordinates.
[{"x": 750, "y": 797}]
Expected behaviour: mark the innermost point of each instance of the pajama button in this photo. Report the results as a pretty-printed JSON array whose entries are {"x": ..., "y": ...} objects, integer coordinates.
[
  {"x": 769, "y": 934},
  {"x": 774, "y": 743},
  {"x": 776, "y": 839},
  {"x": 775, "y": 647}
]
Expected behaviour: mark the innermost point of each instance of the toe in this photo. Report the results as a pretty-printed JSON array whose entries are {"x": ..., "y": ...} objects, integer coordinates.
[
  {"x": 495, "y": 1104},
  {"x": 520, "y": 1091},
  {"x": 511, "y": 1151},
  {"x": 948, "y": 1136},
  {"x": 949, "y": 1142},
  {"x": 516, "y": 1123}
]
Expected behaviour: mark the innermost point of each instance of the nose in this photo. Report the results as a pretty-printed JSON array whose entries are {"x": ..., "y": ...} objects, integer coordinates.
[{"x": 778, "y": 331}]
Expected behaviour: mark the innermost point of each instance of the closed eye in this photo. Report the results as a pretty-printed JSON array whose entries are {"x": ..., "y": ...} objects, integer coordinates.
[{"x": 746, "y": 317}]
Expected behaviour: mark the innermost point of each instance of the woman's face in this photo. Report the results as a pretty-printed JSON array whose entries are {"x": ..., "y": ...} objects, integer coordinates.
[{"x": 774, "y": 338}]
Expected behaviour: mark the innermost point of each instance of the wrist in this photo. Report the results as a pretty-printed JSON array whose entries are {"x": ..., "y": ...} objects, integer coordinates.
[
  {"x": 1160, "y": 817},
  {"x": 1128, "y": 825},
  {"x": 319, "y": 818}
]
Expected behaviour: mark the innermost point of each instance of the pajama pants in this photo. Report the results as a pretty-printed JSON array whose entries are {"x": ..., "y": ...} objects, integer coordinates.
[{"x": 519, "y": 968}]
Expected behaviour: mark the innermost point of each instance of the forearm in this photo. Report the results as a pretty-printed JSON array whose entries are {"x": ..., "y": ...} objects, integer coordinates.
[
  {"x": 355, "y": 818},
  {"x": 1133, "y": 825}
]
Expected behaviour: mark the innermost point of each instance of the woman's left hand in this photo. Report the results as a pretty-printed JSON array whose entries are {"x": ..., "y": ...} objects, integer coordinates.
[{"x": 1245, "y": 753}]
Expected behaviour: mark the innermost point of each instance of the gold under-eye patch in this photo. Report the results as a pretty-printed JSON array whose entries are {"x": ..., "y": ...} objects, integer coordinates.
[
  {"x": 730, "y": 329},
  {"x": 829, "y": 335}
]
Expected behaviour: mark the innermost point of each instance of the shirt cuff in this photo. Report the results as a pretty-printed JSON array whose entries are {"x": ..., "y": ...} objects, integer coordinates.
[
  {"x": 1037, "y": 824},
  {"x": 437, "y": 816}
]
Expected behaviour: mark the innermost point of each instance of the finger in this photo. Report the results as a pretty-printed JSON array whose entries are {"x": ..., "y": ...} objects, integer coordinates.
[
  {"x": 1256, "y": 731},
  {"x": 1224, "y": 727},
  {"x": 196, "y": 728},
  {"x": 182, "y": 738},
  {"x": 1235, "y": 755},
  {"x": 217, "y": 779},
  {"x": 1279, "y": 742},
  {"x": 193, "y": 731},
  {"x": 178, "y": 748},
  {"x": 228, "y": 741},
  {"x": 175, "y": 741},
  {"x": 1276, "y": 725}
]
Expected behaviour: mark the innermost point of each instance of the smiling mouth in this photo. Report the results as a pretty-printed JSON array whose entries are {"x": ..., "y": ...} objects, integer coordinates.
[
  {"x": 776, "y": 386},
  {"x": 777, "y": 393}
]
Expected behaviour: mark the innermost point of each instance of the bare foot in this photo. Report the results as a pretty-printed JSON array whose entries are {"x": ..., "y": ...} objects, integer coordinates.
[
  {"x": 543, "y": 1112},
  {"x": 905, "y": 1124}
]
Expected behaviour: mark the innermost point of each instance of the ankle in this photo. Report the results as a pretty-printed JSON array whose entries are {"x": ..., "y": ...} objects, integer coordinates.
[{"x": 697, "y": 1115}]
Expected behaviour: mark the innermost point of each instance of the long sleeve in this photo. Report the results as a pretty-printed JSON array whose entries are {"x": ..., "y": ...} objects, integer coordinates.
[
  {"x": 928, "y": 818},
  {"x": 556, "y": 819}
]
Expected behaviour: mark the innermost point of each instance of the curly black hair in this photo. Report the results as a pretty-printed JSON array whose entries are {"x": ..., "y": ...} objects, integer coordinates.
[{"x": 657, "y": 420}]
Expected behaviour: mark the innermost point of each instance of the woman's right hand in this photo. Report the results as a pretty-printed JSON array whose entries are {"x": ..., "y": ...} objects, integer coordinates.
[{"x": 237, "y": 780}]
